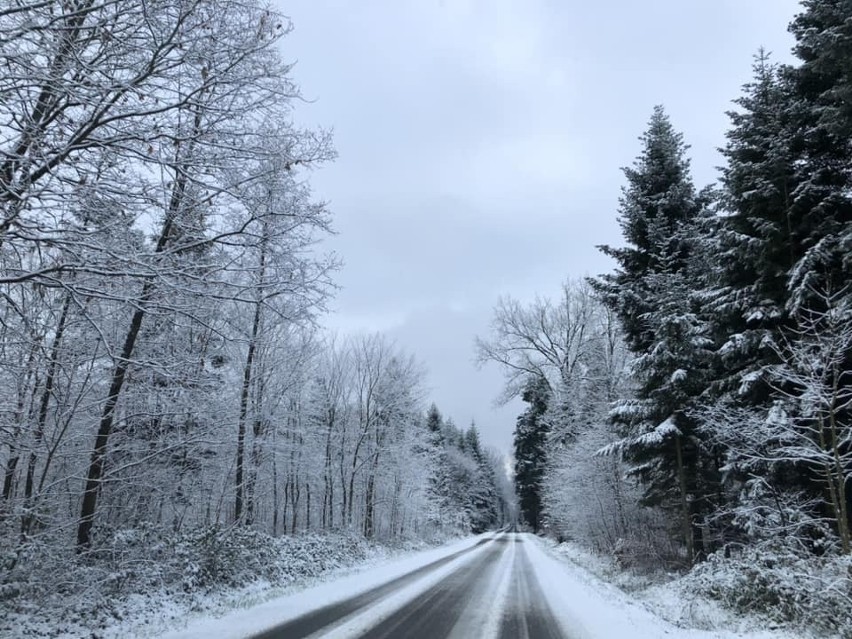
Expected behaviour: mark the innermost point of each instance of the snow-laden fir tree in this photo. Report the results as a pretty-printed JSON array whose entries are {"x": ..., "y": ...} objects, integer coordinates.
[
  {"x": 530, "y": 446},
  {"x": 822, "y": 114},
  {"x": 785, "y": 242},
  {"x": 652, "y": 294}
]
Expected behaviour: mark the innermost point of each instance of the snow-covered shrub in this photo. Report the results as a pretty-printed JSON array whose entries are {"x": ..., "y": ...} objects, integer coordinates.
[
  {"x": 133, "y": 573},
  {"x": 782, "y": 585}
]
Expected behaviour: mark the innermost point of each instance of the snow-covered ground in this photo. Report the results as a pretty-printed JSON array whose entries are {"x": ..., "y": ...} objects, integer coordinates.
[
  {"x": 164, "y": 593},
  {"x": 477, "y": 594},
  {"x": 669, "y": 607}
]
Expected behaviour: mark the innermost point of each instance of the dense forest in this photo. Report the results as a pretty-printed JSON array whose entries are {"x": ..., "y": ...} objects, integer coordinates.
[{"x": 697, "y": 402}]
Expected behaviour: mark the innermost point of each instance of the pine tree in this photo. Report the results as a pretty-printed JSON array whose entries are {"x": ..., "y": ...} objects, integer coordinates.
[
  {"x": 786, "y": 241},
  {"x": 484, "y": 498},
  {"x": 531, "y": 434},
  {"x": 758, "y": 241},
  {"x": 823, "y": 119},
  {"x": 658, "y": 200},
  {"x": 822, "y": 203},
  {"x": 435, "y": 426},
  {"x": 663, "y": 322}
]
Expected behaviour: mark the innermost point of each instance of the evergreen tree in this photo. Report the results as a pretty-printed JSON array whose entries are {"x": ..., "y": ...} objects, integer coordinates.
[
  {"x": 822, "y": 112},
  {"x": 531, "y": 434},
  {"x": 435, "y": 426},
  {"x": 484, "y": 497},
  {"x": 787, "y": 236},
  {"x": 658, "y": 200},
  {"x": 758, "y": 240},
  {"x": 651, "y": 292},
  {"x": 823, "y": 118}
]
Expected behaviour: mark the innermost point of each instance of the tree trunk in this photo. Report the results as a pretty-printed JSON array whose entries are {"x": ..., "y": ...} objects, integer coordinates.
[
  {"x": 41, "y": 422},
  {"x": 241, "y": 422},
  {"x": 14, "y": 451},
  {"x": 307, "y": 505},
  {"x": 275, "y": 514},
  {"x": 686, "y": 522},
  {"x": 96, "y": 464},
  {"x": 328, "y": 481}
]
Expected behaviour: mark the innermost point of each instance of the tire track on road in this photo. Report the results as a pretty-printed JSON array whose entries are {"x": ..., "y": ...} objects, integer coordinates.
[
  {"x": 435, "y": 613},
  {"x": 331, "y": 614},
  {"x": 528, "y": 616}
]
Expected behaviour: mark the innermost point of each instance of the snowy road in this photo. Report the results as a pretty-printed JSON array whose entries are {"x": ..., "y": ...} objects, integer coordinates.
[
  {"x": 495, "y": 586},
  {"x": 463, "y": 603}
]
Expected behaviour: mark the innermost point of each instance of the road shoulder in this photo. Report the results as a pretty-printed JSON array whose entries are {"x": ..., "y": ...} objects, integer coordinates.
[{"x": 600, "y": 609}]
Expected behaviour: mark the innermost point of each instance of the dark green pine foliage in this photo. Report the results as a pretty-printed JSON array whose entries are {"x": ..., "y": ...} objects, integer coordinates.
[
  {"x": 656, "y": 293},
  {"x": 484, "y": 499},
  {"x": 786, "y": 237},
  {"x": 657, "y": 202},
  {"x": 822, "y": 202},
  {"x": 434, "y": 426},
  {"x": 758, "y": 241},
  {"x": 531, "y": 435}
]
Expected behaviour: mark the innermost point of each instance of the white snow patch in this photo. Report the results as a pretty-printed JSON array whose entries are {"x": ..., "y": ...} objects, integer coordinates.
[{"x": 678, "y": 376}]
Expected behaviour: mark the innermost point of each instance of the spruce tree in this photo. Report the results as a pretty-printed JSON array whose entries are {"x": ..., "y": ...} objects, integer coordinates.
[
  {"x": 530, "y": 443},
  {"x": 822, "y": 113},
  {"x": 823, "y": 118},
  {"x": 758, "y": 240},
  {"x": 786, "y": 236},
  {"x": 484, "y": 497},
  {"x": 652, "y": 294}
]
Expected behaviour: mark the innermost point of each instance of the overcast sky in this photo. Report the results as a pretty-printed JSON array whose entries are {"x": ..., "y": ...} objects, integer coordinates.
[{"x": 480, "y": 148}]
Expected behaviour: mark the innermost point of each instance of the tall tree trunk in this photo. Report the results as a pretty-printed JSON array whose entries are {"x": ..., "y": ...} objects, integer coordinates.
[
  {"x": 297, "y": 495},
  {"x": 241, "y": 423},
  {"x": 94, "y": 476},
  {"x": 41, "y": 421},
  {"x": 14, "y": 451},
  {"x": 328, "y": 482},
  {"x": 307, "y": 505},
  {"x": 275, "y": 506},
  {"x": 96, "y": 464},
  {"x": 369, "y": 505},
  {"x": 686, "y": 521},
  {"x": 245, "y": 393}
]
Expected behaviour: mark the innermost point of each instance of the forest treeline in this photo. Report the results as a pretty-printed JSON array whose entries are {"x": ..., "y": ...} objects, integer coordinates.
[
  {"x": 697, "y": 402},
  {"x": 162, "y": 284}
]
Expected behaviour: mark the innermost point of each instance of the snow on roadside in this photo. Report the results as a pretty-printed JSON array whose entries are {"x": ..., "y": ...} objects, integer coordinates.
[
  {"x": 589, "y": 591},
  {"x": 243, "y": 623},
  {"x": 169, "y": 593}
]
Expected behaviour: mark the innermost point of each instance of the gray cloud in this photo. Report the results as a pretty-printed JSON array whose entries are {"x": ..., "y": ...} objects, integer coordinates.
[{"x": 480, "y": 144}]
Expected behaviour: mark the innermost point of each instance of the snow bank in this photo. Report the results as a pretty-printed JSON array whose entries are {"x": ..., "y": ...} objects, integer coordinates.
[{"x": 602, "y": 597}]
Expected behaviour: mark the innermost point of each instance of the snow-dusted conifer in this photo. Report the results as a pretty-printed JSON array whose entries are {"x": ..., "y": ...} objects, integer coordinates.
[
  {"x": 652, "y": 294},
  {"x": 530, "y": 445}
]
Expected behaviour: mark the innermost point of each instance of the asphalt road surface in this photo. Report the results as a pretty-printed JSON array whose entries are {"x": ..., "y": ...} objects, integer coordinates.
[{"x": 460, "y": 604}]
